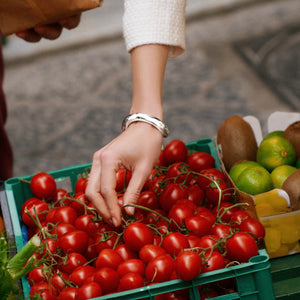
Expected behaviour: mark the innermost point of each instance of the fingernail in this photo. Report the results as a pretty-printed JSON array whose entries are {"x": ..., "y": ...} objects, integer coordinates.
[
  {"x": 114, "y": 221},
  {"x": 130, "y": 210}
]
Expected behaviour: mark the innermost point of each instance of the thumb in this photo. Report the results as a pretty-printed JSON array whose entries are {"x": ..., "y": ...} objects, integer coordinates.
[{"x": 134, "y": 189}]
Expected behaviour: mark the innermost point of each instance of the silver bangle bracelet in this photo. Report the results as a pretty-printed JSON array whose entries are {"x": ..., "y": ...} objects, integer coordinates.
[{"x": 140, "y": 117}]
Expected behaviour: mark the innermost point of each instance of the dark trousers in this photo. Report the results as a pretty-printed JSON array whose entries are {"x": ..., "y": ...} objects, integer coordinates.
[{"x": 6, "y": 154}]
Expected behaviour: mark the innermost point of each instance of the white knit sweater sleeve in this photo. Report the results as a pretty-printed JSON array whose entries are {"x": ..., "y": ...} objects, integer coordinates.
[{"x": 155, "y": 22}]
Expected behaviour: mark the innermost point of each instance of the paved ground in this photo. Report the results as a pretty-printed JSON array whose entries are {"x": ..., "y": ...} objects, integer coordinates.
[{"x": 66, "y": 103}]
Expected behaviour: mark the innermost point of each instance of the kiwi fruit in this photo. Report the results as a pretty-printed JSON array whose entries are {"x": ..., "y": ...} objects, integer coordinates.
[
  {"x": 292, "y": 134},
  {"x": 292, "y": 186},
  {"x": 236, "y": 140}
]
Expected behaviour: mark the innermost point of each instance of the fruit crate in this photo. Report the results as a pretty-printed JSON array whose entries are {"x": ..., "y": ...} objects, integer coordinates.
[{"x": 253, "y": 279}]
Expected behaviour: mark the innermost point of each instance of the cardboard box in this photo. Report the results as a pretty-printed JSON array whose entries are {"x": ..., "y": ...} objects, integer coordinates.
[{"x": 277, "y": 226}]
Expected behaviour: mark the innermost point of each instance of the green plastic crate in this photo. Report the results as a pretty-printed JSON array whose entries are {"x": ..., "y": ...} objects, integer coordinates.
[{"x": 253, "y": 279}]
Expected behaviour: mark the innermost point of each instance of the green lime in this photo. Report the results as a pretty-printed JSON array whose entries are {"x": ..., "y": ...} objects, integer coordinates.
[
  {"x": 238, "y": 168},
  {"x": 275, "y": 151},
  {"x": 280, "y": 174},
  {"x": 254, "y": 180},
  {"x": 274, "y": 133}
]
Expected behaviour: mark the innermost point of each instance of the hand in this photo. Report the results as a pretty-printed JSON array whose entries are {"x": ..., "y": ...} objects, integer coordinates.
[
  {"x": 137, "y": 149},
  {"x": 49, "y": 31}
]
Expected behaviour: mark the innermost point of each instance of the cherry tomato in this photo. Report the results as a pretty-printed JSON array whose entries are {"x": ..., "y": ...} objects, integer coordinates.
[
  {"x": 207, "y": 176},
  {"x": 73, "y": 261},
  {"x": 69, "y": 293},
  {"x": 207, "y": 242},
  {"x": 241, "y": 247},
  {"x": 62, "y": 197},
  {"x": 80, "y": 185},
  {"x": 43, "y": 186},
  {"x": 150, "y": 251},
  {"x": 130, "y": 281},
  {"x": 218, "y": 193},
  {"x": 58, "y": 281},
  {"x": 178, "y": 213},
  {"x": 148, "y": 199},
  {"x": 105, "y": 240},
  {"x": 62, "y": 228},
  {"x": 32, "y": 209},
  {"x": 196, "y": 194},
  {"x": 123, "y": 177},
  {"x": 125, "y": 252},
  {"x": 172, "y": 193},
  {"x": 88, "y": 291},
  {"x": 179, "y": 172},
  {"x": 188, "y": 265},
  {"x": 253, "y": 227},
  {"x": 159, "y": 269},
  {"x": 214, "y": 260},
  {"x": 108, "y": 258},
  {"x": 199, "y": 161},
  {"x": 175, "y": 242},
  {"x": 79, "y": 203},
  {"x": 238, "y": 217},
  {"x": 108, "y": 279},
  {"x": 65, "y": 214},
  {"x": 175, "y": 151},
  {"x": 131, "y": 265},
  {"x": 136, "y": 235},
  {"x": 80, "y": 274},
  {"x": 225, "y": 211},
  {"x": 198, "y": 225},
  {"x": 221, "y": 230},
  {"x": 157, "y": 184},
  {"x": 74, "y": 241},
  {"x": 36, "y": 275}
]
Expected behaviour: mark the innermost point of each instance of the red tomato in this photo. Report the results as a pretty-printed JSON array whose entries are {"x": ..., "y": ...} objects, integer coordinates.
[
  {"x": 157, "y": 184},
  {"x": 123, "y": 177},
  {"x": 108, "y": 258},
  {"x": 131, "y": 265},
  {"x": 206, "y": 214},
  {"x": 36, "y": 275},
  {"x": 222, "y": 230},
  {"x": 125, "y": 252},
  {"x": 108, "y": 279},
  {"x": 80, "y": 185},
  {"x": 178, "y": 213},
  {"x": 148, "y": 199},
  {"x": 159, "y": 269},
  {"x": 65, "y": 214},
  {"x": 130, "y": 281},
  {"x": 241, "y": 247},
  {"x": 79, "y": 203},
  {"x": 225, "y": 211},
  {"x": 172, "y": 193},
  {"x": 198, "y": 225},
  {"x": 69, "y": 293},
  {"x": 74, "y": 241},
  {"x": 62, "y": 228},
  {"x": 253, "y": 227},
  {"x": 80, "y": 274},
  {"x": 58, "y": 281},
  {"x": 136, "y": 235},
  {"x": 207, "y": 242},
  {"x": 193, "y": 240},
  {"x": 175, "y": 151},
  {"x": 43, "y": 186},
  {"x": 207, "y": 175},
  {"x": 150, "y": 251},
  {"x": 105, "y": 240},
  {"x": 73, "y": 261},
  {"x": 179, "y": 172},
  {"x": 221, "y": 193},
  {"x": 82, "y": 222},
  {"x": 188, "y": 265},
  {"x": 175, "y": 242},
  {"x": 91, "y": 252},
  {"x": 32, "y": 209},
  {"x": 62, "y": 197},
  {"x": 238, "y": 217},
  {"x": 88, "y": 291},
  {"x": 196, "y": 194},
  {"x": 214, "y": 260},
  {"x": 199, "y": 161}
]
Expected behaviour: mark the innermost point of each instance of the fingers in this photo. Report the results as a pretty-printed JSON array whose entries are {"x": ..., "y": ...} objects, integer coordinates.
[
  {"x": 136, "y": 183},
  {"x": 70, "y": 22},
  {"x": 29, "y": 36},
  {"x": 50, "y": 32}
]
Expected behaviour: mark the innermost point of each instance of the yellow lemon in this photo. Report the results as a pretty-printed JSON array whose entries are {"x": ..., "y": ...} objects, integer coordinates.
[
  {"x": 282, "y": 251},
  {"x": 272, "y": 239},
  {"x": 264, "y": 209},
  {"x": 280, "y": 174},
  {"x": 254, "y": 180},
  {"x": 290, "y": 233},
  {"x": 275, "y": 151}
]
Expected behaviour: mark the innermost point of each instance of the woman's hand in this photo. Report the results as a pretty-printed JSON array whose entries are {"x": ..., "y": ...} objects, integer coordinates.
[
  {"x": 49, "y": 31},
  {"x": 137, "y": 149}
]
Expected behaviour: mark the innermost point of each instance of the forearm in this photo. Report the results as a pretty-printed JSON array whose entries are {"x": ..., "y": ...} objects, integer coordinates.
[{"x": 148, "y": 68}]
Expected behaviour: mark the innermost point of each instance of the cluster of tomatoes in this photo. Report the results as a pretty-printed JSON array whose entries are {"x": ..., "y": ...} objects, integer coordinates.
[{"x": 186, "y": 222}]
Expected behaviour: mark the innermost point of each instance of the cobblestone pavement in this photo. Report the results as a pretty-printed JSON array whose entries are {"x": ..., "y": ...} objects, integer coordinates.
[{"x": 66, "y": 104}]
